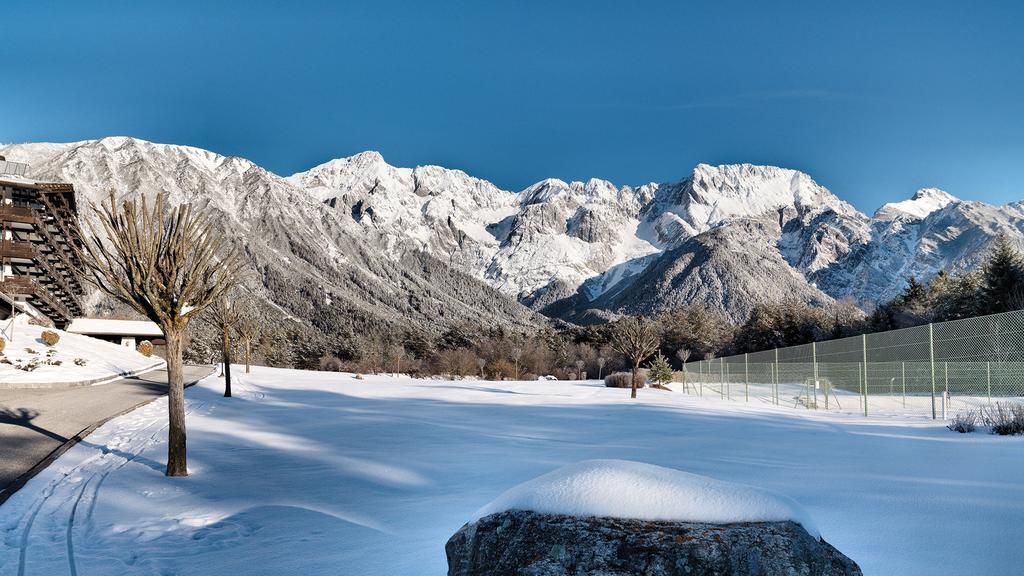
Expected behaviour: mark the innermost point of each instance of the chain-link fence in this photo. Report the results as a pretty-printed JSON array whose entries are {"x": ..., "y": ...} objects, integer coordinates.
[{"x": 936, "y": 370}]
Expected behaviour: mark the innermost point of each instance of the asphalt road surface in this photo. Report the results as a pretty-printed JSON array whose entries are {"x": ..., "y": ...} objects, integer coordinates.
[{"x": 36, "y": 422}]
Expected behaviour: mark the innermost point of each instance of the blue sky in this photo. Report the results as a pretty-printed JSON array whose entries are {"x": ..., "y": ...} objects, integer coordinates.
[{"x": 874, "y": 100}]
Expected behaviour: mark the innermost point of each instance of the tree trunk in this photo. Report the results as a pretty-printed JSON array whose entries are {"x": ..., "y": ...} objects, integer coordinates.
[
  {"x": 636, "y": 367},
  {"x": 227, "y": 365},
  {"x": 177, "y": 461},
  {"x": 248, "y": 355}
]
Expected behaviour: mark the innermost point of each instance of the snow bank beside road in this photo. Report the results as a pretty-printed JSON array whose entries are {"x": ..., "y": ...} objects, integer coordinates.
[
  {"x": 633, "y": 490},
  {"x": 101, "y": 359}
]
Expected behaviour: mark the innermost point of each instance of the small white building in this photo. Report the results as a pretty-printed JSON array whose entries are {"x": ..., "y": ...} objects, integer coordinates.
[{"x": 127, "y": 333}]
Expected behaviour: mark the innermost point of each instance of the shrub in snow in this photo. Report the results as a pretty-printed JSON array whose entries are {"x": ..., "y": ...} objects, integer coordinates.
[
  {"x": 359, "y": 376},
  {"x": 50, "y": 337},
  {"x": 624, "y": 379},
  {"x": 330, "y": 363},
  {"x": 964, "y": 422},
  {"x": 145, "y": 348},
  {"x": 80, "y": 361},
  {"x": 51, "y": 359},
  {"x": 501, "y": 368},
  {"x": 618, "y": 380},
  {"x": 29, "y": 365},
  {"x": 1005, "y": 418},
  {"x": 2, "y": 344}
]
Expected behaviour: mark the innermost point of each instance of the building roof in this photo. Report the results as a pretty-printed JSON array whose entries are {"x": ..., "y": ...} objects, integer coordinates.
[{"x": 110, "y": 327}]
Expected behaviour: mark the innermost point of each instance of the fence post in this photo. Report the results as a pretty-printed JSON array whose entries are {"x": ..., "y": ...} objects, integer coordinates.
[
  {"x": 776, "y": 386},
  {"x": 903, "y": 379},
  {"x": 721, "y": 378},
  {"x": 864, "y": 346},
  {"x": 814, "y": 360},
  {"x": 728, "y": 382},
  {"x": 931, "y": 362},
  {"x": 860, "y": 381},
  {"x": 988, "y": 378},
  {"x": 700, "y": 378},
  {"x": 945, "y": 393},
  {"x": 747, "y": 379}
]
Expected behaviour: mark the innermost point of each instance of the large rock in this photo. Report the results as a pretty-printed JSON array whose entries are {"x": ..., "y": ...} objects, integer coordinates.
[{"x": 524, "y": 543}]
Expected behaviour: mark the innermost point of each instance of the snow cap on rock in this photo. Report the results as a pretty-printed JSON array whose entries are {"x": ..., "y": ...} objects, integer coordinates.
[{"x": 634, "y": 490}]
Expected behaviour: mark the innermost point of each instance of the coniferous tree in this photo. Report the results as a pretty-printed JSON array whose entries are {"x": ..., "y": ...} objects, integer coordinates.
[
  {"x": 961, "y": 299},
  {"x": 1003, "y": 275},
  {"x": 660, "y": 370}
]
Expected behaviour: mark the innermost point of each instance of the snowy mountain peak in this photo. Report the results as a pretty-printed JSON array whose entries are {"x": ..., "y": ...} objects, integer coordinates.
[
  {"x": 551, "y": 189},
  {"x": 924, "y": 202},
  {"x": 764, "y": 186},
  {"x": 717, "y": 194}
]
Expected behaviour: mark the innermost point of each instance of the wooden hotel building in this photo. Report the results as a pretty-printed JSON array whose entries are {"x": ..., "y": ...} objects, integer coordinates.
[{"x": 38, "y": 233}]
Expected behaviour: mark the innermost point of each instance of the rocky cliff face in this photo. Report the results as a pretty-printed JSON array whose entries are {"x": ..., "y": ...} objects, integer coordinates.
[{"x": 359, "y": 235}]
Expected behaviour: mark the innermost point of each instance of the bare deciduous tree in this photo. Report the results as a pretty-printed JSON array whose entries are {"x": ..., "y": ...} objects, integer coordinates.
[
  {"x": 601, "y": 360},
  {"x": 249, "y": 325},
  {"x": 168, "y": 264},
  {"x": 223, "y": 315},
  {"x": 683, "y": 354},
  {"x": 636, "y": 339},
  {"x": 397, "y": 354},
  {"x": 516, "y": 354},
  {"x": 480, "y": 362},
  {"x": 579, "y": 368}
]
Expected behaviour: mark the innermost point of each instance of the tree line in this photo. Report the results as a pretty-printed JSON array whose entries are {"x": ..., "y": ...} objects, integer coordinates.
[{"x": 687, "y": 333}]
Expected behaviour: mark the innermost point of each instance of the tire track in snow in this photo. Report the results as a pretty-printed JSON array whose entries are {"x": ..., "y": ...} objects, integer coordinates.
[
  {"x": 48, "y": 493},
  {"x": 104, "y": 453},
  {"x": 71, "y": 527}
]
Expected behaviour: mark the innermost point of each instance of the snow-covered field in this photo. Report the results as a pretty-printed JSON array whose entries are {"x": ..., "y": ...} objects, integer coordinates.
[
  {"x": 98, "y": 358},
  {"x": 320, "y": 473}
]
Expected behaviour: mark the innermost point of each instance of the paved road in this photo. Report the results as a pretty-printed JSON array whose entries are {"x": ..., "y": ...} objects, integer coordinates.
[{"x": 36, "y": 422}]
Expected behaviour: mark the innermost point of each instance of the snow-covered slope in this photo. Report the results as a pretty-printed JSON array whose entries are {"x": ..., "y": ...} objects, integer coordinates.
[
  {"x": 26, "y": 359},
  {"x": 923, "y": 203},
  {"x": 432, "y": 243}
]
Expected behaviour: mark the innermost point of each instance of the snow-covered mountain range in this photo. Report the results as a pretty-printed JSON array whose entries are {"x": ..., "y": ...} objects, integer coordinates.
[{"x": 440, "y": 247}]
